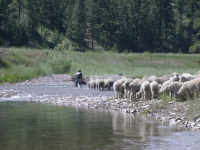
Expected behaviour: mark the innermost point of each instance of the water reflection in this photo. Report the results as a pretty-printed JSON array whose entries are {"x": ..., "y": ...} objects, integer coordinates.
[
  {"x": 29, "y": 126},
  {"x": 135, "y": 131}
]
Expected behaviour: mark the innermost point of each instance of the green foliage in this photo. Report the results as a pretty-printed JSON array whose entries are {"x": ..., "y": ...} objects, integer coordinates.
[
  {"x": 77, "y": 27},
  {"x": 195, "y": 48},
  {"x": 23, "y": 64},
  {"x": 196, "y": 24},
  {"x": 51, "y": 38},
  {"x": 66, "y": 44},
  {"x": 133, "y": 26},
  {"x": 58, "y": 63},
  {"x": 19, "y": 73},
  {"x": 138, "y": 65}
]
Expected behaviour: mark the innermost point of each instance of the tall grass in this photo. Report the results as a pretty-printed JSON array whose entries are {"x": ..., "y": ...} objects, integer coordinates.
[
  {"x": 133, "y": 64},
  {"x": 18, "y": 64},
  {"x": 56, "y": 62},
  {"x": 23, "y": 64}
]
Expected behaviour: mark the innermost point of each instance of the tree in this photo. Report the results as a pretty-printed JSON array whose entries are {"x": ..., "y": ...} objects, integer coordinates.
[
  {"x": 78, "y": 26},
  {"x": 164, "y": 19},
  {"x": 4, "y": 18}
]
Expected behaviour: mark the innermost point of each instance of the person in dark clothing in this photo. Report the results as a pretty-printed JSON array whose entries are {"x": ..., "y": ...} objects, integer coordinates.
[{"x": 78, "y": 78}]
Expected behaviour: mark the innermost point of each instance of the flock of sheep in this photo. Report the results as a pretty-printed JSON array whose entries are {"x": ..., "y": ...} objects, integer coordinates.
[
  {"x": 101, "y": 84},
  {"x": 179, "y": 86}
]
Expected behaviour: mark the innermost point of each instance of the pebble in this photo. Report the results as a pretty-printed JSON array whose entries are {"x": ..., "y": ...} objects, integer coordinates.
[{"x": 172, "y": 116}]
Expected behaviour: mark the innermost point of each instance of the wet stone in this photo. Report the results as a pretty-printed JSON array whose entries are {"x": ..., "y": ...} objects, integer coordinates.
[{"x": 59, "y": 90}]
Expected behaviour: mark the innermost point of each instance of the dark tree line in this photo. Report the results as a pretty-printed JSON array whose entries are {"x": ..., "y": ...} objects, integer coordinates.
[{"x": 124, "y": 25}]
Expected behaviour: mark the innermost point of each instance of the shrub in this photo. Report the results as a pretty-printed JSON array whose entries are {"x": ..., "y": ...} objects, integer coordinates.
[
  {"x": 19, "y": 65},
  {"x": 58, "y": 63},
  {"x": 195, "y": 48},
  {"x": 66, "y": 44},
  {"x": 18, "y": 73}
]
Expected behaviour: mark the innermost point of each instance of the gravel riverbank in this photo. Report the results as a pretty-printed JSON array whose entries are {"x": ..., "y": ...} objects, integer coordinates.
[
  {"x": 171, "y": 113},
  {"x": 59, "y": 90}
]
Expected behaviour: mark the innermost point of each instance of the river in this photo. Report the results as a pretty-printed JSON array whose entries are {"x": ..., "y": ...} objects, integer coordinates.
[{"x": 33, "y": 126}]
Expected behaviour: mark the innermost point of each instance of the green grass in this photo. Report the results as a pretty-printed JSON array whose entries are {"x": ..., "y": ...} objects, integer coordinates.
[
  {"x": 18, "y": 64},
  {"x": 133, "y": 64}
]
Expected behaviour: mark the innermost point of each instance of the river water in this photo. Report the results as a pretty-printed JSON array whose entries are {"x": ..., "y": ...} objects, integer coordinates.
[{"x": 32, "y": 126}]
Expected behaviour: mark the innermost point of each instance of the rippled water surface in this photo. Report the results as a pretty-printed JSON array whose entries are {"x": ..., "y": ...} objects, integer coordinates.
[{"x": 30, "y": 126}]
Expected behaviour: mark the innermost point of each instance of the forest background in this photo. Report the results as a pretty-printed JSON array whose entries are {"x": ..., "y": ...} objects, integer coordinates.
[{"x": 121, "y": 25}]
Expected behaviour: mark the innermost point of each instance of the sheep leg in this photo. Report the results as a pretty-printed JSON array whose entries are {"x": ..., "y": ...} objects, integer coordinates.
[{"x": 171, "y": 95}]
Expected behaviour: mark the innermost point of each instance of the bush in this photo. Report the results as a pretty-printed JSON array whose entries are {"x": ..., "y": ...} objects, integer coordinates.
[
  {"x": 66, "y": 44},
  {"x": 58, "y": 63},
  {"x": 195, "y": 48},
  {"x": 19, "y": 65},
  {"x": 51, "y": 38},
  {"x": 18, "y": 73}
]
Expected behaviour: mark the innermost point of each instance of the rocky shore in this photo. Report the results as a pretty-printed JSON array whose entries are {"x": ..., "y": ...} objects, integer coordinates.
[
  {"x": 168, "y": 113},
  {"x": 59, "y": 90}
]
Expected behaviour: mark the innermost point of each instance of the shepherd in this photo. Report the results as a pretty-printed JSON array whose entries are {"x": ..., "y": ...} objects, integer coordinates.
[{"x": 78, "y": 78}]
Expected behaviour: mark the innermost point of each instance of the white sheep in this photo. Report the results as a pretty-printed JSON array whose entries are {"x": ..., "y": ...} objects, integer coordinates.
[
  {"x": 155, "y": 87},
  {"x": 162, "y": 79},
  {"x": 190, "y": 89},
  {"x": 118, "y": 88},
  {"x": 134, "y": 88},
  {"x": 145, "y": 90},
  {"x": 150, "y": 79},
  {"x": 100, "y": 84},
  {"x": 164, "y": 87},
  {"x": 171, "y": 88},
  {"x": 175, "y": 77},
  {"x": 108, "y": 84},
  {"x": 126, "y": 87},
  {"x": 92, "y": 84},
  {"x": 186, "y": 77}
]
